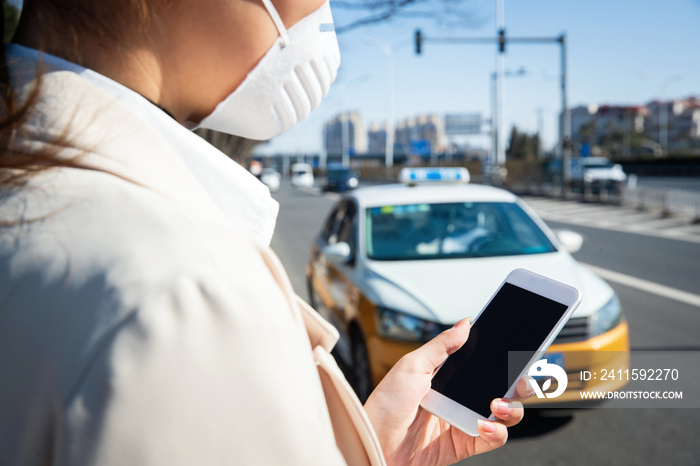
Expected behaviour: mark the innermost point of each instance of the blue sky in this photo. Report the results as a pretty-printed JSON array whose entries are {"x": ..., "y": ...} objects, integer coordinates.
[{"x": 611, "y": 43}]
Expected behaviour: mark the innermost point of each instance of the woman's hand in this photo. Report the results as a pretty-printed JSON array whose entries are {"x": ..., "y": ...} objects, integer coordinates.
[{"x": 409, "y": 434}]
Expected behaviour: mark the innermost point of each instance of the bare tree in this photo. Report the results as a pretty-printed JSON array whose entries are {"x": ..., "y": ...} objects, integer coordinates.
[{"x": 372, "y": 12}]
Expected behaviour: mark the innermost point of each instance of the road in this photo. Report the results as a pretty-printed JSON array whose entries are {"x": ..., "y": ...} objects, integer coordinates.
[{"x": 588, "y": 436}]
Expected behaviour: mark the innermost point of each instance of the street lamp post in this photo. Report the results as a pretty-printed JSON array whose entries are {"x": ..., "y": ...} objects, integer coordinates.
[
  {"x": 346, "y": 139},
  {"x": 565, "y": 132},
  {"x": 497, "y": 136},
  {"x": 345, "y": 116},
  {"x": 323, "y": 155},
  {"x": 663, "y": 116},
  {"x": 344, "y": 122},
  {"x": 540, "y": 134},
  {"x": 389, "y": 149}
]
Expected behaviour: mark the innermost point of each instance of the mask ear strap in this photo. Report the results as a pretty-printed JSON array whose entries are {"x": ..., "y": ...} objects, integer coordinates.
[{"x": 278, "y": 21}]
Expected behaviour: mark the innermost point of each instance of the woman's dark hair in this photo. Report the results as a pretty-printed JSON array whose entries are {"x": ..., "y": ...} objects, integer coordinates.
[
  {"x": 15, "y": 164},
  {"x": 99, "y": 23}
]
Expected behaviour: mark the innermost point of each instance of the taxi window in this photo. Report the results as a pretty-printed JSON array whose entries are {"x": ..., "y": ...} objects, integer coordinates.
[
  {"x": 330, "y": 228},
  {"x": 345, "y": 228},
  {"x": 452, "y": 230},
  {"x": 333, "y": 228}
]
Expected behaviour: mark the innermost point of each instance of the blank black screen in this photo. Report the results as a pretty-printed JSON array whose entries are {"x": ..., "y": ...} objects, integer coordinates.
[{"x": 515, "y": 320}]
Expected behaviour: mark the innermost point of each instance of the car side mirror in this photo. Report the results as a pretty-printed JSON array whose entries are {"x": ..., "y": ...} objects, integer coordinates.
[
  {"x": 571, "y": 240},
  {"x": 337, "y": 253}
]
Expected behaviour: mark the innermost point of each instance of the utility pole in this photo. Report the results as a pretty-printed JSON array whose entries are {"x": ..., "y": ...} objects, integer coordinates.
[
  {"x": 344, "y": 128},
  {"x": 323, "y": 155},
  {"x": 627, "y": 121},
  {"x": 497, "y": 112},
  {"x": 345, "y": 120},
  {"x": 494, "y": 122},
  {"x": 389, "y": 127},
  {"x": 565, "y": 135},
  {"x": 345, "y": 117},
  {"x": 663, "y": 117},
  {"x": 540, "y": 133},
  {"x": 500, "y": 70}
]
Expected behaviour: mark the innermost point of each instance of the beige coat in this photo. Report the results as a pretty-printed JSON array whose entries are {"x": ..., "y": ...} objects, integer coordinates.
[{"x": 139, "y": 326}]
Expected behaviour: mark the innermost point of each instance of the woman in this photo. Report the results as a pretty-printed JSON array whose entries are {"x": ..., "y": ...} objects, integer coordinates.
[{"x": 143, "y": 318}]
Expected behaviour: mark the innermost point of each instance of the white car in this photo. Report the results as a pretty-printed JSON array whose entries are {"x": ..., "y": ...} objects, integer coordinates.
[
  {"x": 302, "y": 175},
  {"x": 596, "y": 173},
  {"x": 395, "y": 265},
  {"x": 271, "y": 179}
]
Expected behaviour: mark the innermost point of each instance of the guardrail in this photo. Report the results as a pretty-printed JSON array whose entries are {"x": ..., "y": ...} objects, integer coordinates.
[{"x": 667, "y": 202}]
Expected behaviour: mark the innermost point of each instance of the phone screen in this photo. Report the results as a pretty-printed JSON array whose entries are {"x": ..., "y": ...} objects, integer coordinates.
[{"x": 515, "y": 320}]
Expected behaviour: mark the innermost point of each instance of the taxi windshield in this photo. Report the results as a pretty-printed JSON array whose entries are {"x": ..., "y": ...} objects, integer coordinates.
[{"x": 452, "y": 230}]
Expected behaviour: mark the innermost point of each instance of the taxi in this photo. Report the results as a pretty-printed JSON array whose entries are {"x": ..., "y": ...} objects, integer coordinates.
[{"x": 394, "y": 265}]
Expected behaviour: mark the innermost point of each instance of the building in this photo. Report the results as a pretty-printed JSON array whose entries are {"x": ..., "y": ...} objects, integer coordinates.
[
  {"x": 683, "y": 122},
  {"x": 422, "y": 128},
  {"x": 376, "y": 139},
  {"x": 624, "y": 130},
  {"x": 352, "y": 123},
  {"x": 590, "y": 124}
]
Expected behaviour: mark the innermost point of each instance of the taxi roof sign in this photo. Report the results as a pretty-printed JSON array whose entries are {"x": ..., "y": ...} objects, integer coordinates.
[{"x": 414, "y": 176}]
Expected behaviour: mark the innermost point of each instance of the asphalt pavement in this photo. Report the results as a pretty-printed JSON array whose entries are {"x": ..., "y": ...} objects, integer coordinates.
[{"x": 587, "y": 436}]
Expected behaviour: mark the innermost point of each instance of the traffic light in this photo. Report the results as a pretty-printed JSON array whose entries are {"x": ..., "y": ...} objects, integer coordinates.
[
  {"x": 419, "y": 41},
  {"x": 502, "y": 40}
]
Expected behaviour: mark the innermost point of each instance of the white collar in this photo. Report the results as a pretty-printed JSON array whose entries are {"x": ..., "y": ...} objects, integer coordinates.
[{"x": 241, "y": 197}]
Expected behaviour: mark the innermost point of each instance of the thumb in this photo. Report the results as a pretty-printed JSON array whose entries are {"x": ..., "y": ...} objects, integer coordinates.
[{"x": 428, "y": 357}]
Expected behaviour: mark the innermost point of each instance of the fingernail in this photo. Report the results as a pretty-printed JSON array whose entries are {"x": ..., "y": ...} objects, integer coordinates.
[
  {"x": 530, "y": 389},
  {"x": 503, "y": 407},
  {"x": 462, "y": 322},
  {"x": 486, "y": 426}
]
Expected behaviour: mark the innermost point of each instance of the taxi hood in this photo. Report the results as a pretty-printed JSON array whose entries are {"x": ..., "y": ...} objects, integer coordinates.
[{"x": 447, "y": 290}]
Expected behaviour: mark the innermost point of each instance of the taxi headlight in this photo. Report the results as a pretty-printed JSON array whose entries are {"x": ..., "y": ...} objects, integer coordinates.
[
  {"x": 399, "y": 326},
  {"x": 352, "y": 182},
  {"x": 607, "y": 317}
]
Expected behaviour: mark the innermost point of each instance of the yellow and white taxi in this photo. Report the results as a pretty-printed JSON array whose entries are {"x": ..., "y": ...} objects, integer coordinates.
[{"x": 394, "y": 265}]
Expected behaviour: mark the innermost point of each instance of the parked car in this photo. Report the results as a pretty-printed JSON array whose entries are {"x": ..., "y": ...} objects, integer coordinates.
[
  {"x": 596, "y": 174},
  {"x": 339, "y": 179},
  {"x": 302, "y": 175},
  {"x": 271, "y": 178}
]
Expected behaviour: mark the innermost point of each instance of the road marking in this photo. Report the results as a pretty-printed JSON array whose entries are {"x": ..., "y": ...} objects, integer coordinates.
[
  {"x": 645, "y": 285},
  {"x": 614, "y": 218},
  {"x": 681, "y": 236}
]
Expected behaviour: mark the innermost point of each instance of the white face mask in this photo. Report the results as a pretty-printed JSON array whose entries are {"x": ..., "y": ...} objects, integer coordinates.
[{"x": 287, "y": 83}]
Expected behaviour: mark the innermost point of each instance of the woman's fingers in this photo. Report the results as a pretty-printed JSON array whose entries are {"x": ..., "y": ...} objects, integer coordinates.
[
  {"x": 523, "y": 390},
  {"x": 491, "y": 436},
  {"x": 428, "y": 357},
  {"x": 510, "y": 412}
]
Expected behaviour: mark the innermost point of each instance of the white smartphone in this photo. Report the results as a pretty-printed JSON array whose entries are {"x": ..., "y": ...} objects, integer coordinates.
[{"x": 524, "y": 315}]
